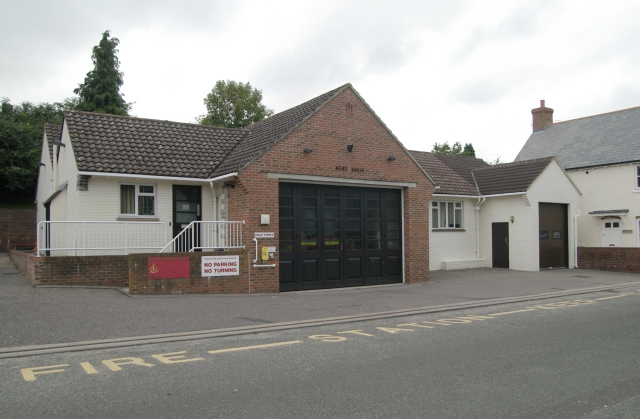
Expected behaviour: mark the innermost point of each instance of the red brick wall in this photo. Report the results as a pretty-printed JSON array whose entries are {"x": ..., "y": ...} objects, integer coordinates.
[
  {"x": 111, "y": 271},
  {"x": 345, "y": 120},
  {"x": 26, "y": 263},
  {"x": 17, "y": 228},
  {"x": 615, "y": 259},
  {"x": 196, "y": 283}
]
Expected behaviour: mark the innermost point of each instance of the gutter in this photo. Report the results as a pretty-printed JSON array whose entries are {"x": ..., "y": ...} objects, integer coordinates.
[
  {"x": 481, "y": 196},
  {"x": 182, "y": 179}
]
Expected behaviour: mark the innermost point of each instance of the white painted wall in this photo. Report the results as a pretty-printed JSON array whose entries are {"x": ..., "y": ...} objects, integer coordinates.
[
  {"x": 45, "y": 180},
  {"x": 554, "y": 186},
  {"x": 67, "y": 171},
  {"x": 523, "y": 232},
  {"x": 453, "y": 245},
  {"x": 607, "y": 188}
]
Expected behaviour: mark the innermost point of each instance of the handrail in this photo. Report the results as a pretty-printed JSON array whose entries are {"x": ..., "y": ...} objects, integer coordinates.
[
  {"x": 99, "y": 236},
  {"x": 201, "y": 235},
  {"x": 179, "y": 237}
]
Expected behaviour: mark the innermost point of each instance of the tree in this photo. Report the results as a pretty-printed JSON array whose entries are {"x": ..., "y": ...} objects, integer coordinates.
[
  {"x": 100, "y": 91},
  {"x": 498, "y": 160},
  {"x": 21, "y": 128},
  {"x": 455, "y": 150},
  {"x": 234, "y": 105}
]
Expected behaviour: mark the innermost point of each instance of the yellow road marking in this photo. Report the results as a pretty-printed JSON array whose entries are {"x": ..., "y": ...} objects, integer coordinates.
[
  {"x": 244, "y": 348},
  {"x": 174, "y": 358},
  {"x": 394, "y": 330},
  {"x": 357, "y": 332},
  {"x": 608, "y": 298},
  {"x": 512, "y": 312},
  {"x": 114, "y": 364},
  {"x": 328, "y": 338},
  {"x": 416, "y": 325},
  {"x": 475, "y": 317},
  {"x": 29, "y": 374},
  {"x": 89, "y": 369}
]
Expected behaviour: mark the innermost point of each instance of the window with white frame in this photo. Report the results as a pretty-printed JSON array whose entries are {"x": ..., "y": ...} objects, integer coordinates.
[
  {"x": 446, "y": 214},
  {"x": 137, "y": 200},
  {"x": 638, "y": 176}
]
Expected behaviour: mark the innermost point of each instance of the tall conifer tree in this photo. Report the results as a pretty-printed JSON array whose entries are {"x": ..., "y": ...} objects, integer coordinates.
[{"x": 100, "y": 91}]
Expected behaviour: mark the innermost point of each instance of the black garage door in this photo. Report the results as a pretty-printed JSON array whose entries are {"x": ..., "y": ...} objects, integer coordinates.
[
  {"x": 333, "y": 236},
  {"x": 553, "y": 236}
]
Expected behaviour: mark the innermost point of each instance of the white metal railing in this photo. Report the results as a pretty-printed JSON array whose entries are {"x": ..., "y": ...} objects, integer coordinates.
[
  {"x": 203, "y": 235},
  {"x": 99, "y": 237}
]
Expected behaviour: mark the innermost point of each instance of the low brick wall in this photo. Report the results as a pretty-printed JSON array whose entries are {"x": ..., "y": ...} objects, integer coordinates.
[
  {"x": 110, "y": 271},
  {"x": 195, "y": 283},
  {"x": 17, "y": 228},
  {"x": 614, "y": 259},
  {"x": 133, "y": 270},
  {"x": 26, "y": 263}
]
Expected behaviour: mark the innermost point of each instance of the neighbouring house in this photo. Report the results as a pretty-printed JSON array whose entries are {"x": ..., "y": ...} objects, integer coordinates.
[
  {"x": 601, "y": 154},
  {"x": 515, "y": 215}
]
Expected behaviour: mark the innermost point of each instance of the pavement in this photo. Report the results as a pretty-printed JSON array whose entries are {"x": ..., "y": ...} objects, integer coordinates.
[{"x": 55, "y": 315}]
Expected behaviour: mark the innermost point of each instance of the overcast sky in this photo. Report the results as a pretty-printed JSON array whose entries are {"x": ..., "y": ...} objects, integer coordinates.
[{"x": 434, "y": 71}]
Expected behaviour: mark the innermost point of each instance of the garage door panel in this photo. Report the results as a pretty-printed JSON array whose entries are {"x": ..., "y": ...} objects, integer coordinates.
[
  {"x": 395, "y": 266},
  {"x": 336, "y": 236},
  {"x": 332, "y": 269},
  {"x": 553, "y": 235},
  {"x": 375, "y": 267},
  {"x": 309, "y": 268}
]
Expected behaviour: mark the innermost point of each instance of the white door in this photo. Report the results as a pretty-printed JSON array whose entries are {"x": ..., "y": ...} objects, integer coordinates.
[{"x": 610, "y": 233}]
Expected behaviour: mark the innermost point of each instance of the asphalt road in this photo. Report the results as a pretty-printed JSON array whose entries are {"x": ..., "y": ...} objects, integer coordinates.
[
  {"x": 569, "y": 357},
  {"x": 42, "y": 315}
]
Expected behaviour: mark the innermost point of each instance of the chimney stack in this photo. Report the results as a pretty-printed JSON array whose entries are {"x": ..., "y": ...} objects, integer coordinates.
[{"x": 542, "y": 117}]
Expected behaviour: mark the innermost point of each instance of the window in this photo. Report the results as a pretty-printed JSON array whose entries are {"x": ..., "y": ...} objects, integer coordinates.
[
  {"x": 446, "y": 215},
  {"x": 138, "y": 200},
  {"x": 638, "y": 176}
]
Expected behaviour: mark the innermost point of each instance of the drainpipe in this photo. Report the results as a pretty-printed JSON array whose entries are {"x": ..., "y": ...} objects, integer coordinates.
[
  {"x": 477, "y": 208},
  {"x": 575, "y": 237},
  {"x": 215, "y": 202}
]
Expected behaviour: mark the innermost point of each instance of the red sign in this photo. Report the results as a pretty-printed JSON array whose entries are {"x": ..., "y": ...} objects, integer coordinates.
[{"x": 169, "y": 268}]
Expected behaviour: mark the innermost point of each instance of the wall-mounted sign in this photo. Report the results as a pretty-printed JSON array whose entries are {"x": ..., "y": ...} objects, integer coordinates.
[
  {"x": 262, "y": 235},
  {"x": 220, "y": 265},
  {"x": 350, "y": 169},
  {"x": 627, "y": 231},
  {"x": 168, "y": 268}
]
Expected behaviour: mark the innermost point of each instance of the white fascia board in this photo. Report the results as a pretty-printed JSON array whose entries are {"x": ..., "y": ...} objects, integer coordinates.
[
  {"x": 479, "y": 196},
  {"x": 340, "y": 181},
  {"x": 180, "y": 179}
]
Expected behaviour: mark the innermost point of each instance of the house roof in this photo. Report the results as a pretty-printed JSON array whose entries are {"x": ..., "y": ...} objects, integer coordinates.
[
  {"x": 451, "y": 173},
  {"x": 128, "y": 145},
  {"x": 456, "y": 175},
  {"x": 509, "y": 177},
  {"x": 120, "y": 144},
  {"x": 597, "y": 140},
  {"x": 54, "y": 132}
]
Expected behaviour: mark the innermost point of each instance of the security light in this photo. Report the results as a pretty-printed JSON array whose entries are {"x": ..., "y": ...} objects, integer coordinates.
[
  {"x": 59, "y": 143},
  {"x": 308, "y": 150},
  {"x": 391, "y": 158}
]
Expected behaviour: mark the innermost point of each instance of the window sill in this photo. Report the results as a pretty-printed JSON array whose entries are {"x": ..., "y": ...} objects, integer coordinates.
[
  {"x": 449, "y": 229},
  {"x": 137, "y": 219}
]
